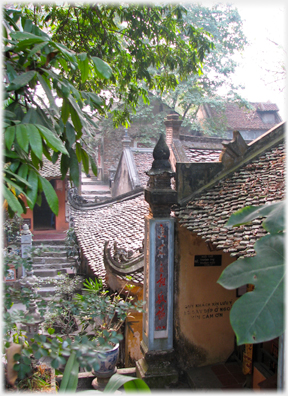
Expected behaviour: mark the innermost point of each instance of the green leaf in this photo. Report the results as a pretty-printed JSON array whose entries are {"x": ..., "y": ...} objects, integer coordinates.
[
  {"x": 52, "y": 140},
  {"x": 258, "y": 315},
  {"x": 83, "y": 63},
  {"x": 50, "y": 195},
  {"x": 21, "y": 81},
  {"x": 11, "y": 183},
  {"x": 35, "y": 140},
  {"x": 26, "y": 36},
  {"x": 23, "y": 171},
  {"x": 37, "y": 48},
  {"x": 64, "y": 165},
  {"x": 18, "y": 177},
  {"x": 93, "y": 166},
  {"x": 22, "y": 137},
  {"x": 249, "y": 213},
  {"x": 32, "y": 192},
  {"x": 76, "y": 116},
  {"x": 131, "y": 384},
  {"x": 85, "y": 160},
  {"x": 69, "y": 368},
  {"x": 48, "y": 93},
  {"x": 9, "y": 136},
  {"x": 11, "y": 72},
  {"x": 275, "y": 221},
  {"x": 102, "y": 68},
  {"x": 70, "y": 134},
  {"x": 66, "y": 52},
  {"x": 12, "y": 201},
  {"x": 65, "y": 111},
  {"x": 78, "y": 151},
  {"x": 74, "y": 167}
]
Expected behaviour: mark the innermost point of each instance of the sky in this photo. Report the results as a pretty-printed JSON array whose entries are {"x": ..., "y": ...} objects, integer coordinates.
[{"x": 263, "y": 22}]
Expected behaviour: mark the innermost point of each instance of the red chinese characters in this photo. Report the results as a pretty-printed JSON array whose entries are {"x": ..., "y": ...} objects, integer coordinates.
[{"x": 161, "y": 274}]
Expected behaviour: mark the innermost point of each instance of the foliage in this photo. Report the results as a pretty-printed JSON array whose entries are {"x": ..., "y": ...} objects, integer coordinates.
[
  {"x": 61, "y": 310},
  {"x": 50, "y": 82},
  {"x": 36, "y": 124},
  {"x": 93, "y": 286},
  {"x": 143, "y": 44},
  {"x": 258, "y": 316},
  {"x": 214, "y": 87},
  {"x": 70, "y": 375},
  {"x": 12, "y": 229},
  {"x": 38, "y": 380},
  {"x": 130, "y": 384},
  {"x": 104, "y": 313}
]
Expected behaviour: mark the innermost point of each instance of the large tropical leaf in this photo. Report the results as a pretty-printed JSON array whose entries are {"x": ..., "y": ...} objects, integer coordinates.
[
  {"x": 83, "y": 63},
  {"x": 130, "y": 384},
  {"x": 275, "y": 216},
  {"x": 35, "y": 140},
  {"x": 52, "y": 140},
  {"x": 50, "y": 195},
  {"x": 258, "y": 316},
  {"x": 85, "y": 161},
  {"x": 102, "y": 68},
  {"x": 32, "y": 192},
  {"x": 22, "y": 137},
  {"x": 9, "y": 136},
  {"x": 21, "y": 81},
  {"x": 74, "y": 167},
  {"x": 12, "y": 200}
]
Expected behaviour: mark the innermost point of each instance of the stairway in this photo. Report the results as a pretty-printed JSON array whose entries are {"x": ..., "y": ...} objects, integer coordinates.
[
  {"x": 94, "y": 190},
  {"x": 50, "y": 263}
]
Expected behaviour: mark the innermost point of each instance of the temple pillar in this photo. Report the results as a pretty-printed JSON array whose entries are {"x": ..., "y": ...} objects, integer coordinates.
[{"x": 156, "y": 367}]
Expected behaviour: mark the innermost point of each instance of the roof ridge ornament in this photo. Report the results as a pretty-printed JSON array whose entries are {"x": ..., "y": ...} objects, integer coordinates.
[{"x": 233, "y": 151}]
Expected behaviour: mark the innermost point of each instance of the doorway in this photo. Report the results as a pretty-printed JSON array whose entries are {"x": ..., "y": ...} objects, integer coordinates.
[{"x": 43, "y": 217}]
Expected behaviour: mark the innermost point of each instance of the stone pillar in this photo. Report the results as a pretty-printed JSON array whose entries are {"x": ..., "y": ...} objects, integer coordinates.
[
  {"x": 156, "y": 368},
  {"x": 173, "y": 125},
  {"x": 26, "y": 244},
  {"x": 126, "y": 140}
]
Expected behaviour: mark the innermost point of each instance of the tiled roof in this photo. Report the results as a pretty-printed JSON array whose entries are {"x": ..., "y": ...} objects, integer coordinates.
[
  {"x": 246, "y": 119},
  {"x": 201, "y": 155},
  {"x": 120, "y": 222},
  {"x": 50, "y": 170},
  {"x": 143, "y": 161},
  {"x": 257, "y": 183},
  {"x": 266, "y": 106}
]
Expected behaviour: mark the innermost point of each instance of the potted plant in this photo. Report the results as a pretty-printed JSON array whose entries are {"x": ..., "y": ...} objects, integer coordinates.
[{"x": 101, "y": 317}]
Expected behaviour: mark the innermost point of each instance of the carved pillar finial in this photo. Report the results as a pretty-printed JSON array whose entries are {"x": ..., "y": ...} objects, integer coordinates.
[
  {"x": 158, "y": 192},
  {"x": 126, "y": 140}
]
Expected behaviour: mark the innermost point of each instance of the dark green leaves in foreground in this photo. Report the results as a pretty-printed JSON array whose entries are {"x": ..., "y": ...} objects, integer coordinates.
[
  {"x": 36, "y": 126},
  {"x": 130, "y": 384},
  {"x": 258, "y": 316}
]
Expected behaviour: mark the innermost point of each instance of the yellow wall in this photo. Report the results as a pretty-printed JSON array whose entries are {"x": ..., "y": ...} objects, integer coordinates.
[
  {"x": 201, "y": 313},
  {"x": 133, "y": 331}
]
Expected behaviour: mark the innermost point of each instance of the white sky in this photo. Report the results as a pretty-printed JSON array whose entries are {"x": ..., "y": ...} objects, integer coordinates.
[{"x": 262, "y": 21}]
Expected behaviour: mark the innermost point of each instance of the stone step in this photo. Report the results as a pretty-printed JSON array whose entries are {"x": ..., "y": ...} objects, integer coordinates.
[
  {"x": 49, "y": 242},
  {"x": 46, "y": 291},
  {"x": 53, "y": 266},
  {"x": 52, "y": 252},
  {"x": 92, "y": 197},
  {"x": 95, "y": 192},
  {"x": 49, "y": 259},
  {"x": 47, "y": 273}
]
